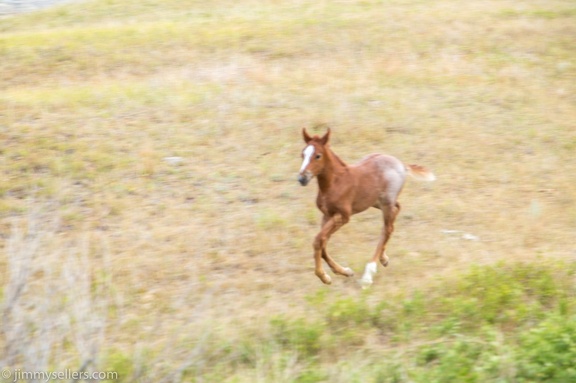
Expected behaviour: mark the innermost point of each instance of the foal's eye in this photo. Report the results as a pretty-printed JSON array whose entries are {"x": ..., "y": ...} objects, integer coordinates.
[{"x": 318, "y": 156}]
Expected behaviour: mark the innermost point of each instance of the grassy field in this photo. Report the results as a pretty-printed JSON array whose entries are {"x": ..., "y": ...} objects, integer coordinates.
[{"x": 152, "y": 223}]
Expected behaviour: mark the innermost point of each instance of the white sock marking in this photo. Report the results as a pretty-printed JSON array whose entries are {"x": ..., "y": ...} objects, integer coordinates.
[{"x": 369, "y": 272}]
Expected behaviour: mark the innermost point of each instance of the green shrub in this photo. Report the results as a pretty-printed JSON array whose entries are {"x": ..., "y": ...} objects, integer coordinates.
[
  {"x": 120, "y": 363},
  {"x": 509, "y": 295},
  {"x": 349, "y": 312},
  {"x": 349, "y": 321},
  {"x": 299, "y": 335},
  {"x": 547, "y": 353},
  {"x": 311, "y": 375},
  {"x": 449, "y": 362},
  {"x": 485, "y": 358}
]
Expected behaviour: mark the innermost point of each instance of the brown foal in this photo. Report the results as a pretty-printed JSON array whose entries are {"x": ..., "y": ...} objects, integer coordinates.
[{"x": 344, "y": 190}]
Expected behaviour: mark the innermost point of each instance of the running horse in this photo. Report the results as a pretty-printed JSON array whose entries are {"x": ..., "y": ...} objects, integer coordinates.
[{"x": 345, "y": 190}]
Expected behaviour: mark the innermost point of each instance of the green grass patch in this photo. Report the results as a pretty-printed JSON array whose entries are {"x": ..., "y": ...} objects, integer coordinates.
[
  {"x": 503, "y": 323},
  {"x": 548, "y": 14},
  {"x": 112, "y": 97}
]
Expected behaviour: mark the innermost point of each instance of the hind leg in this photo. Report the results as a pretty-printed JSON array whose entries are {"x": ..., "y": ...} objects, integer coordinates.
[
  {"x": 390, "y": 215},
  {"x": 389, "y": 212}
]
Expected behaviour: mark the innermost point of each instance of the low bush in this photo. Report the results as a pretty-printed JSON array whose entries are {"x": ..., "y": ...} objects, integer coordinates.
[
  {"x": 298, "y": 335},
  {"x": 547, "y": 352}
]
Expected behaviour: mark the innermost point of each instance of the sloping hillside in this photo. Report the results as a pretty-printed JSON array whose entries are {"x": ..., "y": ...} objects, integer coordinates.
[{"x": 149, "y": 193}]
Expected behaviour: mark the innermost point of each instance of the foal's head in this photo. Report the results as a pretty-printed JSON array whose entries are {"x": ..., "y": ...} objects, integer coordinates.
[{"x": 313, "y": 156}]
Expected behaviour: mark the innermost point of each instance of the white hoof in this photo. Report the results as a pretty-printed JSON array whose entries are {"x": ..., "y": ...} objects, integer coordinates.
[
  {"x": 348, "y": 271},
  {"x": 369, "y": 272},
  {"x": 366, "y": 283}
]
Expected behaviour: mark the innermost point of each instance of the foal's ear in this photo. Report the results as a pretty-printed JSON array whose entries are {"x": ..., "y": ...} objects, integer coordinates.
[
  {"x": 325, "y": 138},
  {"x": 306, "y": 136}
]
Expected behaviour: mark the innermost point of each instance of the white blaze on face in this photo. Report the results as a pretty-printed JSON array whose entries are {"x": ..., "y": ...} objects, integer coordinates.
[{"x": 308, "y": 153}]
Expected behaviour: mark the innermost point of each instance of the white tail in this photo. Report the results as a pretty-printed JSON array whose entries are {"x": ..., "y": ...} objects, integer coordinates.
[{"x": 420, "y": 173}]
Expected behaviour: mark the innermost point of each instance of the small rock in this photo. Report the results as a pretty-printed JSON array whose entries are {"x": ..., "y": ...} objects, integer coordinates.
[
  {"x": 174, "y": 160},
  {"x": 470, "y": 237}
]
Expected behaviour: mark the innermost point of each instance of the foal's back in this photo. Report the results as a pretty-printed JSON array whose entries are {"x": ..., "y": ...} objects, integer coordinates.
[{"x": 379, "y": 181}]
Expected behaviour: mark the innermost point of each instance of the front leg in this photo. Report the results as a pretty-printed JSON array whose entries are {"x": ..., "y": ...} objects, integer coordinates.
[
  {"x": 329, "y": 226},
  {"x": 334, "y": 266}
]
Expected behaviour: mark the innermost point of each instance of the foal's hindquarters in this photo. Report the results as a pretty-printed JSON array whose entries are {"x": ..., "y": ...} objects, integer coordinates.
[{"x": 389, "y": 175}]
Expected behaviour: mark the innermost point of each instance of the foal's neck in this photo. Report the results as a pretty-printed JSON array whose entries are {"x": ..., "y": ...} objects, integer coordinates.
[{"x": 334, "y": 167}]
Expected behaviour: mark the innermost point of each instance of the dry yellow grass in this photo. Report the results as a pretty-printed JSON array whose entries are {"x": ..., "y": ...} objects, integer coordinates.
[{"x": 96, "y": 95}]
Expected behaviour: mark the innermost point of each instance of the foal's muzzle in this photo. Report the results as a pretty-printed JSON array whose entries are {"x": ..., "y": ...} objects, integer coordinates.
[{"x": 303, "y": 179}]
